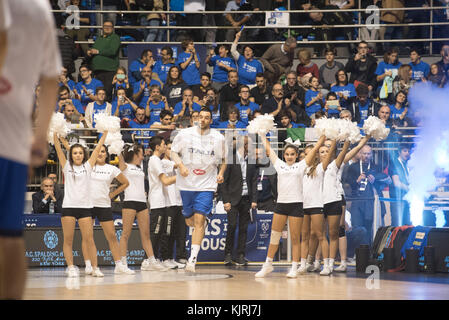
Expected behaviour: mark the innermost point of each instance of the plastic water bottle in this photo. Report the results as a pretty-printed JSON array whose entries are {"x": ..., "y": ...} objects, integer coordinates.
[{"x": 51, "y": 208}]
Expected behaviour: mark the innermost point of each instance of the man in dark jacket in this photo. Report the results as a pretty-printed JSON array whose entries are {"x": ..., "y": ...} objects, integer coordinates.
[
  {"x": 237, "y": 198},
  {"x": 443, "y": 64},
  {"x": 364, "y": 177},
  {"x": 47, "y": 195},
  {"x": 362, "y": 67}
]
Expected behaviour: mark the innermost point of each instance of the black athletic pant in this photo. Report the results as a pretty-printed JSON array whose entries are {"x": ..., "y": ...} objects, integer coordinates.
[
  {"x": 168, "y": 234},
  {"x": 158, "y": 218},
  {"x": 180, "y": 228}
]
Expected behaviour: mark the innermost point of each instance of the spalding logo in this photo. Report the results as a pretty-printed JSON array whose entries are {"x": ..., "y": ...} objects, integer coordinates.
[
  {"x": 199, "y": 172},
  {"x": 51, "y": 239}
]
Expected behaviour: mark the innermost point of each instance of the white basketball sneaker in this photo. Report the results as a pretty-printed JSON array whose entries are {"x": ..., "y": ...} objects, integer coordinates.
[{"x": 266, "y": 269}]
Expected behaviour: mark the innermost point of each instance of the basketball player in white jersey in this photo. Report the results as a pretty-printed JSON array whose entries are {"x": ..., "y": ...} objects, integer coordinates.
[
  {"x": 29, "y": 55},
  {"x": 198, "y": 151}
]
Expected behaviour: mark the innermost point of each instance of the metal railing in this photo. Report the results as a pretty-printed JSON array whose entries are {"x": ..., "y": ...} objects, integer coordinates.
[{"x": 373, "y": 11}]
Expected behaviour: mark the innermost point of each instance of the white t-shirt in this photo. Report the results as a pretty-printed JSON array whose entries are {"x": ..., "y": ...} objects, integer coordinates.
[
  {"x": 171, "y": 193},
  {"x": 100, "y": 184},
  {"x": 313, "y": 188},
  {"x": 290, "y": 181},
  {"x": 32, "y": 53},
  {"x": 77, "y": 192},
  {"x": 156, "y": 196},
  {"x": 339, "y": 3},
  {"x": 136, "y": 188},
  {"x": 332, "y": 184},
  {"x": 201, "y": 154},
  {"x": 194, "y": 5}
]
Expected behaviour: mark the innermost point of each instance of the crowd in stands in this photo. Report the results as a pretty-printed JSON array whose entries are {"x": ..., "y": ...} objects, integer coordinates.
[
  {"x": 254, "y": 16},
  {"x": 240, "y": 80}
]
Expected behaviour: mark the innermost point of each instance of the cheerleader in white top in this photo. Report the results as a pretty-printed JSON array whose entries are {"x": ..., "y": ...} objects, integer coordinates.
[
  {"x": 135, "y": 206},
  {"x": 334, "y": 202},
  {"x": 312, "y": 228},
  {"x": 101, "y": 178},
  {"x": 289, "y": 203},
  {"x": 77, "y": 203}
]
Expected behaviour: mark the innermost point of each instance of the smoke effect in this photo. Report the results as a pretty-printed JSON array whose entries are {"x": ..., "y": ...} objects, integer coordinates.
[{"x": 429, "y": 108}]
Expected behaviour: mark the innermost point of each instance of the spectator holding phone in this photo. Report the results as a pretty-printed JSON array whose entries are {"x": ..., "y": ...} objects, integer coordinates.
[
  {"x": 332, "y": 106},
  {"x": 120, "y": 80}
]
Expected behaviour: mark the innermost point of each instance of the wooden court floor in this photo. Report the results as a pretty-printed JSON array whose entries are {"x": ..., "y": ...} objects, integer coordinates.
[{"x": 217, "y": 282}]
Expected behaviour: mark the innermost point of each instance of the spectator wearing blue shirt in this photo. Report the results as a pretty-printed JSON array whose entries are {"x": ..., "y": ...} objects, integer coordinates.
[
  {"x": 135, "y": 68},
  {"x": 420, "y": 69},
  {"x": 222, "y": 64},
  {"x": 345, "y": 91},
  {"x": 162, "y": 66},
  {"x": 362, "y": 107},
  {"x": 123, "y": 107},
  {"x": 248, "y": 67},
  {"x": 100, "y": 105},
  {"x": 389, "y": 66},
  {"x": 86, "y": 88},
  {"x": 332, "y": 106},
  {"x": 141, "y": 90},
  {"x": 64, "y": 99},
  {"x": 142, "y": 125},
  {"x": 245, "y": 106},
  {"x": 189, "y": 62},
  {"x": 234, "y": 120},
  {"x": 186, "y": 106},
  {"x": 155, "y": 104},
  {"x": 314, "y": 97},
  {"x": 399, "y": 110}
]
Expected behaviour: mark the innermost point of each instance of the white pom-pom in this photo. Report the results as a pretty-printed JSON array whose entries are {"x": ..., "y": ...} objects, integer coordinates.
[
  {"x": 376, "y": 128},
  {"x": 116, "y": 147},
  {"x": 114, "y": 142},
  {"x": 349, "y": 131},
  {"x": 320, "y": 126},
  {"x": 261, "y": 124},
  {"x": 328, "y": 127},
  {"x": 58, "y": 125},
  {"x": 104, "y": 122}
]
